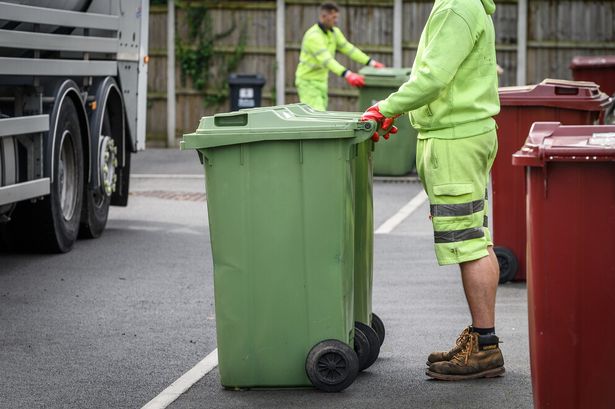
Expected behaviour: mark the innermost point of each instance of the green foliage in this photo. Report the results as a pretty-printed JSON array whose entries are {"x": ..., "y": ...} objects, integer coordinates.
[{"x": 198, "y": 59}]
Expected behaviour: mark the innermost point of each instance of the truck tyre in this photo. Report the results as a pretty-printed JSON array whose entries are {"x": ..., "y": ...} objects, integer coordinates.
[
  {"x": 96, "y": 201},
  {"x": 52, "y": 224},
  {"x": 60, "y": 212}
]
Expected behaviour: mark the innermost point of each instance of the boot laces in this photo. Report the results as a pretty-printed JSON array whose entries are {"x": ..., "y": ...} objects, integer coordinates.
[
  {"x": 462, "y": 337},
  {"x": 464, "y": 355}
]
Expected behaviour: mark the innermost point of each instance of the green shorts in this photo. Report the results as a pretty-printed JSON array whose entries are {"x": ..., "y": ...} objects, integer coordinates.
[
  {"x": 313, "y": 93},
  {"x": 455, "y": 173}
]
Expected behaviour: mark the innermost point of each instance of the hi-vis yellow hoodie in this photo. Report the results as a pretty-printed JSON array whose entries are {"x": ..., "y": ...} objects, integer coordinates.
[
  {"x": 317, "y": 56},
  {"x": 453, "y": 89}
]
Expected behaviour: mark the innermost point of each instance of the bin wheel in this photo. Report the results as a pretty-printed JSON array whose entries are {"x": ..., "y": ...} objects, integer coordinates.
[
  {"x": 332, "y": 366},
  {"x": 508, "y": 263},
  {"x": 609, "y": 117},
  {"x": 378, "y": 326},
  {"x": 361, "y": 347},
  {"x": 374, "y": 344}
]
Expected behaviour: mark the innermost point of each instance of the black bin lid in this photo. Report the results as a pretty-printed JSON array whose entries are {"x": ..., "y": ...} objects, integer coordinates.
[{"x": 246, "y": 79}]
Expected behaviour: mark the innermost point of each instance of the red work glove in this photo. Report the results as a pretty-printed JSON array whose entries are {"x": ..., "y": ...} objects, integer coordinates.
[
  {"x": 354, "y": 79},
  {"x": 386, "y": 124},
  {"x": 376, "y": 64}
]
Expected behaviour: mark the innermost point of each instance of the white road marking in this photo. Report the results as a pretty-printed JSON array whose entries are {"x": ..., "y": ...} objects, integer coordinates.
[
  {"x": 166, "y": 176},
  {"x": 389, "y": 225},
  {"x": 181, "y": 385}
]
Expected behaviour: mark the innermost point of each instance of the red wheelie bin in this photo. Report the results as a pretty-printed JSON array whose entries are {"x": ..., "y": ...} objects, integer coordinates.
[
  {"x": 571, "y": 103},
  {"x": 596, "y": 68},
  {"x": 570, "y": 174}
]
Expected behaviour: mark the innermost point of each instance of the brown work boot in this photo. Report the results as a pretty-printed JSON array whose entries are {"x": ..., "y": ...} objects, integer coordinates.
[
  {"x": 462, "y": 339},
  {"x": 480, "y": 357}
]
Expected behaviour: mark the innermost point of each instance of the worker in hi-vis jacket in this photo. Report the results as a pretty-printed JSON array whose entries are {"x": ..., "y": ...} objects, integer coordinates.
[
  {"x": 317, "y": 58},
  {"x": 452, "y": 97}
]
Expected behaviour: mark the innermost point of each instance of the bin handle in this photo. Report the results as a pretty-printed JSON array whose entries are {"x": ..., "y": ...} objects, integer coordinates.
[
  {"x": 233, "y": 119},
  {"x": 566, "y": 91},
  {"x": 205, "y": 160}
]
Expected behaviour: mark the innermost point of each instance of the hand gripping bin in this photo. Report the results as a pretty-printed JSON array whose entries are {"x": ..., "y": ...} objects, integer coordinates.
[
  {"x": 570, "y": 173},
  {"x": 571, "y": 103},
  {"x": 368, "y": 325},
  {"x": 281, "y": 214},
  {"x": 596, "y": 68},
  {"x": 397, "y": 155}
]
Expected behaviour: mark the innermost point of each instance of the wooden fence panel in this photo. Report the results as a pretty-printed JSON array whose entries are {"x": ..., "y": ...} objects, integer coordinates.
[
  {"x": 414, "y": 17},
  {"x": 557, "y": 31},
  {"x": 560, "y": 30}
]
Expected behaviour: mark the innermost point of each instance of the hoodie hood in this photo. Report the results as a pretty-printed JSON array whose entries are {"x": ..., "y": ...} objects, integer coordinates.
[{"x": 489, "y": 6}]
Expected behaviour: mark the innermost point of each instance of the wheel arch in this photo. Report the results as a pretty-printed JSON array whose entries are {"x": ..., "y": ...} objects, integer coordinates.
[{"x": 68, "y": 90}]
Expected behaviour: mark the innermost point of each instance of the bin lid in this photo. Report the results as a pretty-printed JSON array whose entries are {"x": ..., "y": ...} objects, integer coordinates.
[
  {"x": 593, "y": 61},
  {"x": 385, "y": 77},
  {"x": 578, "y": 95},
  {"x": 271, "y": 124},
  {"x": 246, "y": 79},
  {"x": 301, "y": 109},
  {"x": 554, "y": 142}
]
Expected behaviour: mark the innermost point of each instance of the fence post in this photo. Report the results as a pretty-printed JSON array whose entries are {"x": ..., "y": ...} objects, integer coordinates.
[
  {"x": 397, "y": 33},
  {"x": 522, "y": 42},
  {"x": 280, "y": 50},
  {"x": 171, "y": 74}
]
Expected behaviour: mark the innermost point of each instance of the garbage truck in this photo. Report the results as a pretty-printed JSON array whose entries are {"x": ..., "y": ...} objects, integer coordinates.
[{"x": 73, "y": 89}]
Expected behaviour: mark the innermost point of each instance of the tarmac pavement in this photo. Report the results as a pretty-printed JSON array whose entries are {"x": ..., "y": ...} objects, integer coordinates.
[{"x": 117, "y": 320}]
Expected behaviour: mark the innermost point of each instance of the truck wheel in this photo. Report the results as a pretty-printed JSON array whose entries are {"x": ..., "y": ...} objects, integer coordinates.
[
  {"x": 56, "y": 218},
  {"x": 332, "y": 366},
  {"x": 96, "y": 201},
  {"x": 508, "y": 263}
]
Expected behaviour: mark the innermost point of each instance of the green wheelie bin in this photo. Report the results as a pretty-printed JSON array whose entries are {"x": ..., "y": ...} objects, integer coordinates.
[
  {"x": 365, "y": 319},
  {"x": 366, "y": 322},
  {"x": 397, "y": 155},
  {"x": 280, "y": 194}
]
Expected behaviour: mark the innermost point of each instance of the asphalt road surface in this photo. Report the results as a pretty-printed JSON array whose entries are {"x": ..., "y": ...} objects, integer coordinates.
[{"x": 120, "y": 318}]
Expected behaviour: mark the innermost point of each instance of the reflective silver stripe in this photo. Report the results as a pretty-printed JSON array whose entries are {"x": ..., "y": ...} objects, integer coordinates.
[
  {"x": 454, "y": 236},
  {"x": 460, "y": 209},
  {"x": 309, "y": 64},
  {"x": 327, "y": 61},
  {"x": 322, "y": 50},
  {"x": 485, "y": 221}
]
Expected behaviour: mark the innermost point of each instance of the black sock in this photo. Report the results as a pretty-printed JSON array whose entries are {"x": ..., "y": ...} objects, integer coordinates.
[{"x": 484, "y": 331}]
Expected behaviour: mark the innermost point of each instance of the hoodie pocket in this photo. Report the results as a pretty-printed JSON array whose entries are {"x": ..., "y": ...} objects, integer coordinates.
[{"x": 428, "y": 110}]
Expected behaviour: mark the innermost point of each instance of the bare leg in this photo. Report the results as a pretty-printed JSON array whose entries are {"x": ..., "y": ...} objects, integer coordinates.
[{"x": 480, "y": 283}]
